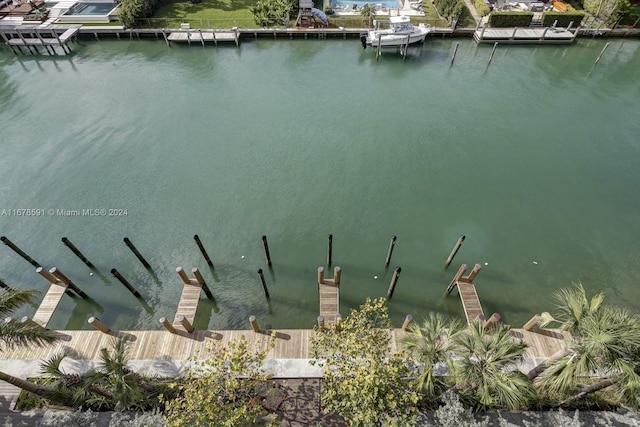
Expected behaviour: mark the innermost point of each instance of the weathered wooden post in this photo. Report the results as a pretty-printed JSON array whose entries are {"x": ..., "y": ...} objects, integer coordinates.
[
  {"x": 455, "y": 50},
  {"x": 96, "y": 323},
  {"x": 321, "y": 275},
  {"x": 338, "y": 322},
  {"x": 185, "y": 323},
  {"x": 265, "y": 245},
  {"x": 125, "y": 282},
  {"x": 201, "y": 282},
  {"x": 532, "y": 323},
  {"x": 183, "y": 275},
  {"x": 254, "y": 323},
  {"x": 474, "y": 272},
  {"x": 454, "y": 251},
  {"x": 19, "y": 251},
  {"x": 202, "y": 249},
  {"x": 75, "y": 250},
  {"x": 329, "y": 249},
  {"x": 492, "y": 321},
  {"x": 337, "y": 273},
  {"x": 407, "y": 321},
  {"x": 64, "y": 279},
  {"x": 461, "y": 271},
  {"x": 4, "y": 285},
  {"x": 264, "y": 284},
  {"x": 495, "y": 45},
  {"x": 168, "y": 326},
  {"x": 392, "y": 244},
  {"x": 136, "y": 253},
  {"x": 601, "y": 53},
  {"x": 394, "y": 280},
  {"x": 321, "y": 323}
]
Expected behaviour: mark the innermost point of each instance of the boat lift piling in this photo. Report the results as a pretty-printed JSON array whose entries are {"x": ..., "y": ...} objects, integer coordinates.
[{"x": 495, "y": 45}]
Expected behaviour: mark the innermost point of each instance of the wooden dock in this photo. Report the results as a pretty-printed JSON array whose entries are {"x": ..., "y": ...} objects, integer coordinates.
[
  {"x": 329, "y": 290},
  {"x": 49, "y": 303},
  {"x": 467, "y": 292},
  {"x": 202, "y": 36},
  {"x": 33, "y": 38},
  {"x": 517, "y": 35}
]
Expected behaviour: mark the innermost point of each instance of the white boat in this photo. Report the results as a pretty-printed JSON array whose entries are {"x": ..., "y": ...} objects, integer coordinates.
[{"x": 395, "y": 31}]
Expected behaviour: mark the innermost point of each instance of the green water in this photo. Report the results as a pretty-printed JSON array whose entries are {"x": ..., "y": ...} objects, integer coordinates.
[{"x": 533, "y": 158}]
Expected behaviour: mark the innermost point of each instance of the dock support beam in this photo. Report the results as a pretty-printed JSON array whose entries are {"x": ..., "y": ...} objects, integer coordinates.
[
  {"x": 75, "y": 250},
  {"x": 19, "y": 251},
  {"x": 203, "y": 250},
  {"x": 136, "y": 253}
]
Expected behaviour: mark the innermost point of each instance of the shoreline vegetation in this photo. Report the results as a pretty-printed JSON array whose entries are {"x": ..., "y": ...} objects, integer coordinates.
[{"x": 441, "y": 372}]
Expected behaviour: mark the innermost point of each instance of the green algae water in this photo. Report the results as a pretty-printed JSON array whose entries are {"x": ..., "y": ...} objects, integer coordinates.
[{"x": 533, "y": 158}]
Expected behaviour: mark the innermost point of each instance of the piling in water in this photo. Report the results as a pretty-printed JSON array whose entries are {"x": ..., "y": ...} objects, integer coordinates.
[
  {"x": 265, "y": 245},
  {"x": 601, "y": 53},
  {"x": 532, "y": 323},
  {"x": 407, "y": 322},
  {"x": 454, "y": 251},
  {"x": 202, "y": 249},
  {"x": 96, "y": 323},
  {"x": 201, "y": 282},
  {"x": 75, "y": 250},
  {"x": 125, "y": 282},
  {"x": 264, "y": 284},
  {"x": 495, "y": 45},
  {"x": 168, "y": 326},
  {"x": 64, "y": 279},
  {"x": 136, "y": 253},
  {"x": 392, "y": 244},
  {"x": 394, "y": 280},
  {"x": 492, "y": 321},
  {"x": 337, "y": 273},
  {"x": 19, "y": 251},
  {"x": 461, "y": 271},
  {"x": 455, "y": 50},
  {"x": 329, "y": 249},
  {"x": 185, "y": 323},
  {"x": 474, "y": 272},
  {"x": 254, "y": 323}
]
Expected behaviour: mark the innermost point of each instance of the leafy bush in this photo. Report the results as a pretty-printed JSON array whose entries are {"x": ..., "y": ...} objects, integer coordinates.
[
  {"x": 132, "y": 10},
  {"x": 449, "y": 9},
  {"x": 564, "y": 19},
  {"x": 510, "y": 19},
  {"x": 270, "y": 12},
  {"x": 482, "y": 7}
]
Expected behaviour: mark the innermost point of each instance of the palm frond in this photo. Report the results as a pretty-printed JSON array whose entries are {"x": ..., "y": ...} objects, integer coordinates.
[
  {"x": 12, "y": 299},
  {"x": 15, "y": 333}
]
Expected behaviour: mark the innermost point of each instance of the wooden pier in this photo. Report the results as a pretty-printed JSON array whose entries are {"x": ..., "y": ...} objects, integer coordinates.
[
  {"x": 329, "y": 290},
  {"x": 517, "y": 35},
  {"x": 467, "y": 292},
  {"x": 188, "y": 305},
  {"x": 49, "y": 303},
  {"x": 33, "y": 37},
  {"x": 202, "y": 36}
]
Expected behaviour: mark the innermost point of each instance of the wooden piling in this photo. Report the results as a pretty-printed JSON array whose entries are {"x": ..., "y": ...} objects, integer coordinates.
[
  {"x": 19, "y": 251},
  {"x": 394, "y": 280},
  {"x": 64, "y": 279},
  {"x": 455, "y": 50},
  {"x": 96, "y": 323},
  {"x": 254, "y": 323},
  {"x": 320, "y": 275},
  {"x": 392, "y": 244},
  {"x": 338, "y": 322},
  {"x": 125, "y": 282},
  {"x": 337, "y": 273},
  {"x": 454, "y": 251},
  {"x": 202, "y": 283},
  {"x": 532, "y": 323},
  {"x": 202, "y": 249},
  {"x": 495, "y": 45},
  {"x": 461, "y": 271},
  {"x": 136, "y": 253},
  {"x": 407, "y": 322},
  {"x": 4, "y": 285},
  {"x": 75, "y": 250},
  {"x": 601, "y": 53},
  {"x": 185, "y": 323},
  {"x": 329, "y": 249},
  {"x": 183, "y": 275},
  {"x": 264, "y": 284},
  {"x": 168, "y": 326},
  {"x": 321, "y": 322},
  {"x": 474, "y": 272},
  {"x": 265, "y": 245},
  {"x": 492, "y": 321}
]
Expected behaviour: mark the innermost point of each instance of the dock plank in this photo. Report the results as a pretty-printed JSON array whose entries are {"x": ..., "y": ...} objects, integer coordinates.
[
  {"x": 188, "y": 304},
  {"x": 49, "y": 304},
  {"x": 470, "y": 300},
  {"x": 329, "y": 300}
]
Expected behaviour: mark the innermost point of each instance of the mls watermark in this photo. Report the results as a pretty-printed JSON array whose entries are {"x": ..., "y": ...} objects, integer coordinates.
[{"x": 59, "y": 212}]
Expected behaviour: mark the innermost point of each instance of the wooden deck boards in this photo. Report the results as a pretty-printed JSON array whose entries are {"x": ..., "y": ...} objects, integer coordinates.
[
  {"x": 524, "y": 35},
  {"x": 329, "y": 300},
  {"x": 290, "y": 344},
  {"x": 188, "y": 304},
  {"x": 195, "y": 36},
  {"x": 470, "y": 300},
  {"x": 49, "y": 304}
]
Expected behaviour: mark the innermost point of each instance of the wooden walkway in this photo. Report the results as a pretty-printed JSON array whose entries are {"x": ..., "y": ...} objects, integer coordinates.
[
  {"x": 467, "y": 292},
  {"x": 525, "y": 35},
  {"x": 32, "y": 38},
  {"x": 203, "y": 36},
  {"x": 329, "y": 290},
  {"x": 49, "y": 303},
  {"x": 188, "y": 304}
]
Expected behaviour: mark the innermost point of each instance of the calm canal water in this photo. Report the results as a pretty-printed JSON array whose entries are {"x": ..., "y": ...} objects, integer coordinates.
[{"x": 533, "y": 158}]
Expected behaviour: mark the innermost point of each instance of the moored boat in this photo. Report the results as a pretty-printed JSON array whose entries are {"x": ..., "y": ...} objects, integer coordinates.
[{"x": 399, "y": 32}]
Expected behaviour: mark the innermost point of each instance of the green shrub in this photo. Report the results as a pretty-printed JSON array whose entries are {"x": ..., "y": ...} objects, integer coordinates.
[
  {"x": 564, "y": 19},
  {"x": 132, "y": 10},
  {"x": 482, "y": 7},
  {"x": 449, "y": 9},
  {"x": 510, "y": 19}
]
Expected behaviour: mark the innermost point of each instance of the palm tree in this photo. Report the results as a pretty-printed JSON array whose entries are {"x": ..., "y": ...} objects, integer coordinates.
[
  {"x": 604, "y": 350},
  {"x": 431, "y": 345},
  {"x": 485, "y": 368},
  {"x": 16, "y": 333}
]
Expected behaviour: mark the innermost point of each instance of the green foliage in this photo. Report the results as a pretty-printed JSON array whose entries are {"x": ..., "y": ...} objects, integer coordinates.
[
  {"x": 510, "y": 19},
  {"x": 454, "y": 414},
  {"x": 363, "y": 381},
  {"x": 225, "y": 389},
  {"x": 449, "y": 9},
  {"x": 368, "y": 13},
  {"x": 564, "y": 19},
  {"x": 15, "y": 333},
  {"x": 607, "y": 9},
  {"x": 482, "y": 8},
  {"x": 132, "y": 10},
  {"x": 271, "y": 12}
]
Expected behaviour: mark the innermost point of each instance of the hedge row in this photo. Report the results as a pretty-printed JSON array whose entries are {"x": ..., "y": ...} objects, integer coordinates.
[
  {"x": 510, "y": 19},
  {"x": 563, "y": 18},
  {"x": 481, "y": 7}
]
